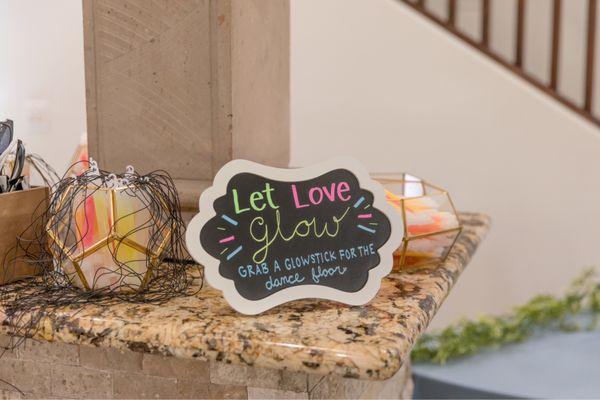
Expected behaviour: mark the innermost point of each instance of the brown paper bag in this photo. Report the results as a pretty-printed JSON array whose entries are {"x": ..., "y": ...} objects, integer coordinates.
[{"x": 18, "y": 211}]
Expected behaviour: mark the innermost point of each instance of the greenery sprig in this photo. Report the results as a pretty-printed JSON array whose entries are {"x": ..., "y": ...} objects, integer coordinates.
[{"x": 543, "y": 311}]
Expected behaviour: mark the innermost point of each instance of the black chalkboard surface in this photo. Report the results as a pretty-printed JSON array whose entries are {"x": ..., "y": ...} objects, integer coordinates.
[{"x": 272, "y": 232}]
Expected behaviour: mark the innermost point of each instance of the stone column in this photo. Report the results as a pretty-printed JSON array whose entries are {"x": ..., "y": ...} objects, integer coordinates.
[{"x": 69, "y": 371}]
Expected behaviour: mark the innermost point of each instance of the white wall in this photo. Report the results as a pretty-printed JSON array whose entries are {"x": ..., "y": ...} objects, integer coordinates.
[
  {"x": 41, "y": 75},
  {"x": 372, "y": 79}
]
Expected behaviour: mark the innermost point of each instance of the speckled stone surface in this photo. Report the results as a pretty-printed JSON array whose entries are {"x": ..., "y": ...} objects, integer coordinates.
[{"x": 319, "y": 337}]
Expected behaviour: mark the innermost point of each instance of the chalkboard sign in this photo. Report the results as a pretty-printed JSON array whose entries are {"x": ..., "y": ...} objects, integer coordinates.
[{"x": 269, "y": 235}]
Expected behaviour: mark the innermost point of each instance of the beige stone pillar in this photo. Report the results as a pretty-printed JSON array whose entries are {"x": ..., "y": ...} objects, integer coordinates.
[
  {"x": 70, "y": 371},
  {"x": 187, "y": 85}
]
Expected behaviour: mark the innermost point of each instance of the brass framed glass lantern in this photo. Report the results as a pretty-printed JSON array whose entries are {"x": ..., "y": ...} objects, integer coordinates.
[
  {"x": 431, "y": 223},
  {"x": 107, "y": 238}
]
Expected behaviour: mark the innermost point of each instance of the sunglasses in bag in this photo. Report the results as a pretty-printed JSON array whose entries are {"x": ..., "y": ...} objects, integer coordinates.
[
  {"x": 13, "y": 179},
  {"x": 6, "y": 134}
]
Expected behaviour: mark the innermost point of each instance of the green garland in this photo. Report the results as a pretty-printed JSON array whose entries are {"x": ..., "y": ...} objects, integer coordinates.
[{"x": 544, "y": 311}]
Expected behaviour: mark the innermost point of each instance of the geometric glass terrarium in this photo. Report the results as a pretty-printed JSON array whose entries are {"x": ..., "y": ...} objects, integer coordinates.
[
  {"x": 431, "y": 224},
  {"x": 105, "y": 238}
]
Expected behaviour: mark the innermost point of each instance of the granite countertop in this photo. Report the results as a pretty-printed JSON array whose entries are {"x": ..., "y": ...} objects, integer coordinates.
[{"x": 323, "y": 337}]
